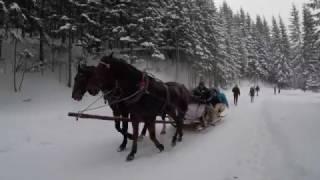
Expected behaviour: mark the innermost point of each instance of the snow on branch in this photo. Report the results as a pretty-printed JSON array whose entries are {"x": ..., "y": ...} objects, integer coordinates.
[
  {"x": 15, "y": 7},
  {"x": 65, "y": 18},
  {"x": 77, "y": 4},
  {"x": 315, "y": 12},
  {"x": 26, "y": 53},
  {"x": 118, "y": 29},
  {"x": 16, "y": 35},
  {"x": 159, "y": 56},
  {"x": 91, "y": 21},
  {"x": 3, "y": 8},
  {"x": 127, "y": 39},
  {"x": 147, "y": 44},
  {"x": 92, "y": 37},
  {"x": 97, "y": 2},
  {"x": 66, "y": 27}
]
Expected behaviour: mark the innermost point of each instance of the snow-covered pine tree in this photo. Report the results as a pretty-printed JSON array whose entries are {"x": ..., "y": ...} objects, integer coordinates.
[
  {"x": 232, "y": 64},
  {"x": 267, "y": 40},
  {"x": 207, "y": 48},
  {"x": 251, "y": 48},
  {"x": 285, "y": 76},
  {"x": 297, "y": 60},
  {"x": 310, "y": 73},
  {"x": 243, "y": 35},
  {"x": 3, "y": 22},
  {"x": 276, "y": 73},
  {"x": 261, "y": 49},
  {"x": 315, "y": 11}
]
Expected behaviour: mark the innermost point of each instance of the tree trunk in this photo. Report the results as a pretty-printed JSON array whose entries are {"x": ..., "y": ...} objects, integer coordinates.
[
  {"x": 23, "y": 73},
  {"x": 14, "y": 66},
  {"x": 60, "y": 72},
  {"x": 41, "y": 55},
  {"x": 70, "y": 60},
  {"x": 0, "y": 47},
  {"x": 177, "y": 56},
  {"x": 41, "y": 52},
  {"x": 52, "y": 57}
]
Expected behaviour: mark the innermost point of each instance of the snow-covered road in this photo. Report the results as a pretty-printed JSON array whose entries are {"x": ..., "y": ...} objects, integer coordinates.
[{"x": 276, "y": 138}]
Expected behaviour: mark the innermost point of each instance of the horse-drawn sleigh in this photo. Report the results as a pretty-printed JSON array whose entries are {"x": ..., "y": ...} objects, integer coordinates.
[{"x": 130, "y": 92}]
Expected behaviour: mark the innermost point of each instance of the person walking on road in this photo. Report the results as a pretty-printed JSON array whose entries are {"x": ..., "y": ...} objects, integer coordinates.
[
  {"x": 257, "y": 90},
  {"x": 236, "y": 94},
  {"x": 251, "y": 93}
]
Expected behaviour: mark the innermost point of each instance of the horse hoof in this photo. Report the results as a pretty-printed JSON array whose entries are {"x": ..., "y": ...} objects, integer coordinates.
[
  {"x": 179, "y": 139},
  {"x": 160, "y": 147},
  {"x": 163, "y": 132},
  {"x": 121, "y": 148},
  {"x": 173, "y": 144},
  {"x": 130, "y": 157}
]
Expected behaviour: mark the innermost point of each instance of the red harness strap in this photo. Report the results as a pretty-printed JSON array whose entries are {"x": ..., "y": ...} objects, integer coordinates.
[{"x": 144, "y": 82}]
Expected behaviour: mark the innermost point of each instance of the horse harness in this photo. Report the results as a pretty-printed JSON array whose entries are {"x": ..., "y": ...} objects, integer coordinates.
[{"x": 114, "y": 98}]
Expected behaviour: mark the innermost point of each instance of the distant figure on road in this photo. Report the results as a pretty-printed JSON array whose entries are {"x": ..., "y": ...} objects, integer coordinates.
[
  {"x": 236, "y": 94},
  {"x": 257, "y": 90},
  {"x": 251, "y": 93},
  {"x": 279, "y": 89},
  {"x": 275, "y": 89}
]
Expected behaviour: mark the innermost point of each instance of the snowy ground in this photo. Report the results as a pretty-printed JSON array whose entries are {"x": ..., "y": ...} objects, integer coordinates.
[{"x": 276, "y": 138}]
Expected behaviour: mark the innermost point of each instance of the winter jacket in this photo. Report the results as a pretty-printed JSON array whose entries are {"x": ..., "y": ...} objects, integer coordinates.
[
  {"x": 217, "y": 97},
  {"x": 251, "y": 92},
  {"x": 223, "y": 99},
  {"x": 236, "y": 91}
]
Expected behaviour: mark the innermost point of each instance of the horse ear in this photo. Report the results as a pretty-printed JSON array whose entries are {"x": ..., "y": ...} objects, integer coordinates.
[{"x": 79, "y": 67}]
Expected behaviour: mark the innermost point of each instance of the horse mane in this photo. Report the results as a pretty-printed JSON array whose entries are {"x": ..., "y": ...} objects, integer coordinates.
[{"x": 137, "y": 74}]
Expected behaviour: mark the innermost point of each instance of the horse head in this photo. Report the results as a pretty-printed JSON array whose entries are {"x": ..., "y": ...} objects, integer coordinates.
[
  {"x": 103, "y": 76},
  {"x": 81, "y": 81}
]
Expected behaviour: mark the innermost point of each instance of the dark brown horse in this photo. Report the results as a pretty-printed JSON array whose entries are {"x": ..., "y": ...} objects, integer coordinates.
[
  {"x": 80, "y": 88},
  {"x": 142, "y": 95}
]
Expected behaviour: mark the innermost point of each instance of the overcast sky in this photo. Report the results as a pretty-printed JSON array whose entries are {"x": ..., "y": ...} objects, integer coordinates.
[{"x": 266, "y": 8}]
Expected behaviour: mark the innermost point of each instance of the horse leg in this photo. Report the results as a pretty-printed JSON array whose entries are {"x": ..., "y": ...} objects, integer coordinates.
[
  {"x": 117, "y": 125},
  {"x": 179, "y": 128},
  {"x": 164, "y": 126},
  {"x": 152, "y": 132},
  {"x": 135, "y": 126},
  {"x": 143, "y": 132},
  {"x": 125, "y": 136},
  {"x": 124, "y": 141},
  {"x": 125, "y": 126},
  {"x": 173, "y": 115}
]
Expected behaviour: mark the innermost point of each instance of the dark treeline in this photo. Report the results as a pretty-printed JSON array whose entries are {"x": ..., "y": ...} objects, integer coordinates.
[{"x": 218, "y": 41}]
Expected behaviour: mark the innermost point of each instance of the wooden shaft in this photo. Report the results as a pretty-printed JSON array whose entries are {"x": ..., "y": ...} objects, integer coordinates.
[{"x": 109, "y": 118}]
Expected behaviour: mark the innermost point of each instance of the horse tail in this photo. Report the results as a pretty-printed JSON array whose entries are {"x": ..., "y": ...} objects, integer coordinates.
[{"x": 186, "y": 97}]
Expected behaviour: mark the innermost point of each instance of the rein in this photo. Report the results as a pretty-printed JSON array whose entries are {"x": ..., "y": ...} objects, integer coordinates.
[{"x": 91, "y": 109}]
